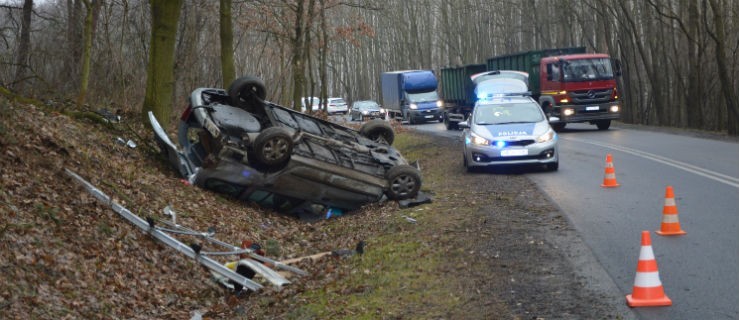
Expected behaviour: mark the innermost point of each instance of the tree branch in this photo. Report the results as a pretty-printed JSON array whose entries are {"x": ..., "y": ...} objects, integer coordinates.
[{"x": 672, "y": 16}]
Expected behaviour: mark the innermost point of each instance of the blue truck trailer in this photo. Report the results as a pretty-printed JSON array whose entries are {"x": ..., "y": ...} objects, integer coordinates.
[{"x": 410, "y": 95}]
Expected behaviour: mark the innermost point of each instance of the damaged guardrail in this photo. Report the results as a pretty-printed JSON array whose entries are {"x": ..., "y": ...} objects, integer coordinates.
[{"x": 223, "y": 273}]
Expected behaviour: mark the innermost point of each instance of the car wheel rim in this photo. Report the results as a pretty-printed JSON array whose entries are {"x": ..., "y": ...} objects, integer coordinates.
[
  {"x": 403, "y": 185},
  {"x": 380, "y": 139},
  {"x": 275, "y": 149}
]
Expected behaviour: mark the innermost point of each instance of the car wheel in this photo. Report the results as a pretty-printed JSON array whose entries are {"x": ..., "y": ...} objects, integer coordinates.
[
  {"x": 404, "y": 181},
  {"x": 273, "y": 148},
  {"x": 467, "y": 166},
  {"x": 548, "y": 110},
  {"x": 248, "y": 93},
  {"x": 378, "y": 131},
  {"x": 554, "y": 166},
  {"x": 450, "y": 125},
  {"x": 603, "y": 124}
]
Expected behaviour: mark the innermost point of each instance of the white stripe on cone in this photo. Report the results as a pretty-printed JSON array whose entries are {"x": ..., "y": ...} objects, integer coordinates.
[
  {"x": 670, "y": 218},
  {"x": 646, "y": 253},
  {"x": 647, "y": 279}
]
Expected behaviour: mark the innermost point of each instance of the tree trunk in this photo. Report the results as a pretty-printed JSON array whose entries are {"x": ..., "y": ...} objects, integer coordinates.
[
  {"x": 227, "y": 54},
  {"x": 695, "y": 92},
  {"x": 24, "y": 43},
  {"x": 323, "y": 75},
  {"x": 730, "y": 95},
  {"x": 160, "y": 70},
  {"x": 86, "y": 52},
  {"x": 296, "y": 47},
  {"x": 74, "y": 45}
]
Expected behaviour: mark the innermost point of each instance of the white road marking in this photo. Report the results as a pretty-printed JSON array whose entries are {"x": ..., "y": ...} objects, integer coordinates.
[{"x": 725, "y": 179}]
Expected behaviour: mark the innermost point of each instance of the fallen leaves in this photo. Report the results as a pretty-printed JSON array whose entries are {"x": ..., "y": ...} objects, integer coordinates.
[{"x": 63, "y": 254}]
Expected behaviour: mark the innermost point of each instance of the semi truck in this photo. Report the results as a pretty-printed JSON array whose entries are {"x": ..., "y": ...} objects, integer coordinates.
[
  {"x": 462, "y": 86},
  {"x": 569, "y": 84},
  {"x": 410, "y": 95}
]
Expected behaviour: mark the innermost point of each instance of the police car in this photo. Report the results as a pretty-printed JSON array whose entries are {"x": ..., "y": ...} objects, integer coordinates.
[{"x": 508, "y": 129}]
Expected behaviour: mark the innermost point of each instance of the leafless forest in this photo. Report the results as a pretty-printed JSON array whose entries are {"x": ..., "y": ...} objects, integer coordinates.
[{"x": 680, "y": 57}]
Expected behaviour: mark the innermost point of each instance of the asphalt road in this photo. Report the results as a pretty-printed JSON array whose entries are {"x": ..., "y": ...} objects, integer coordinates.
[{"x": 699, "y": 271}]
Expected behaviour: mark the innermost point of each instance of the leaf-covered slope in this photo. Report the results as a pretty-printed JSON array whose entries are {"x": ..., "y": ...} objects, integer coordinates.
[{"x": 64, "y": 254}]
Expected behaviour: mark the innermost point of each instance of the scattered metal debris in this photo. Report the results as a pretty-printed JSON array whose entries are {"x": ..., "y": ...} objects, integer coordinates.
[
  {"x": 109, "y": 116},
  {"x": 409, "y": 219},
  {"x": 231, "y": 277},
  {"x": 128, "y": 143},
  {"x": 359, "y": 249},
  {"x": 421, "y": 198}
]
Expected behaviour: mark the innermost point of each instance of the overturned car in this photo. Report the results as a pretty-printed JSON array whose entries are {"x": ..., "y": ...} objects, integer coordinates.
[{"x": 234, "y": 142}]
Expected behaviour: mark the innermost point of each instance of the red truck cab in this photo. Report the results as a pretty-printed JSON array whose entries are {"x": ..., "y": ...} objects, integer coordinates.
[{"x": 579, "y": 88}]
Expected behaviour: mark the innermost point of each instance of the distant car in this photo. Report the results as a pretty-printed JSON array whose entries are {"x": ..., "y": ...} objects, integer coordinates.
[
  {"x": 336, "y": 105},
  {"x": 366, "y": 109},
  {"x": 309, "y": 103},
  {"x": 509, "y": 130},
  {"x": 235, "y": 143}
]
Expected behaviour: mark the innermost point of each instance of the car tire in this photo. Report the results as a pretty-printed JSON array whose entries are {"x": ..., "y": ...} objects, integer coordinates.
[
  {"x": 548, "y": 110},
  {"x": 554, "y": 166},
  {"x": 248, "y": 93},
  {"x": 467, "y": 166},
  {"x": 450, "y": 125},
  {"x": 603, "y": 124},
  {"x": 272, "y": 149},
  {"x": 378, "y": 131},
  {"x": 404, "y": 182}
]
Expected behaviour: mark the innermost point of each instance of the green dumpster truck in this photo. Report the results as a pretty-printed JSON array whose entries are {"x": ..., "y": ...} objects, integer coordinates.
[{"x": 462, "y": 87}]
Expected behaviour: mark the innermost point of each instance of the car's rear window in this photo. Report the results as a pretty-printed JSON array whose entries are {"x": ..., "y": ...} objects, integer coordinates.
[{"x": 368, "y": 106}]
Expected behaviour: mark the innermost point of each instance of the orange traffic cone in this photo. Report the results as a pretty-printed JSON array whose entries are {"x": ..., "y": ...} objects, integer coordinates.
[
  {"x": 670, "y": 223},
  {"x": 609, "y": 180},
  {"x": 648, "y": 290}
]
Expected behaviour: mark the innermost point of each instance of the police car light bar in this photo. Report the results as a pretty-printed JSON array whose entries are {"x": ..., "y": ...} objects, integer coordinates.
[{"x": 501, "y": 95}]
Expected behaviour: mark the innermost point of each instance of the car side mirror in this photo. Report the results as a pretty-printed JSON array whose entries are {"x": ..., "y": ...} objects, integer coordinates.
[{"x": 463, "y": 125}]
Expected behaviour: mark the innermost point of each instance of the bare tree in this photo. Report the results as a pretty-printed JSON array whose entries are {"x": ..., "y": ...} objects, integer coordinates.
[
  {"x": 160, "y": 71},
  {"x": 227, "y": 55},
  {"x": 718, "y": 34},
  {"x": 680, "y": 57},
  {"x": 22, "y": 57},
  {"x": 88, "y": 34}
]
